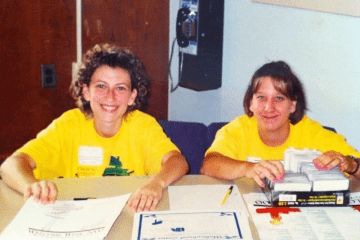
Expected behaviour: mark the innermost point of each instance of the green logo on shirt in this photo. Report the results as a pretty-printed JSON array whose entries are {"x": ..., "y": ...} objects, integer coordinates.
[{"x": 115, "y": 169}]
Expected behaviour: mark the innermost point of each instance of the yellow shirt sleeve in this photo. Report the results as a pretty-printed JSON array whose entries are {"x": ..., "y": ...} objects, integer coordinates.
[
  {"x": 50, "y": 146},
  {"x": 232, "y": 139},
  {"x": 154, "y": 141}
]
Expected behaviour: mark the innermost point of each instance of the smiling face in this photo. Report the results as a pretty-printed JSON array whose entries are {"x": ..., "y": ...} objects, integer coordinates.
[
  {"x": 270, "y": 107},
  {"x": 109, "y": 93}
]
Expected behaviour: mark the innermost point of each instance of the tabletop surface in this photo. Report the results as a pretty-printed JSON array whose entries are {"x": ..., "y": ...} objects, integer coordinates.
[{"x": 11, "y": 201}]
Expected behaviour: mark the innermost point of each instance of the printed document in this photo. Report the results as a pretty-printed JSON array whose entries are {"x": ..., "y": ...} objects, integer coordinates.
[
  {"x": 80, "y": 220},
  {"x": 201, "y": 225},
  {"x": 310, "y": 223}
]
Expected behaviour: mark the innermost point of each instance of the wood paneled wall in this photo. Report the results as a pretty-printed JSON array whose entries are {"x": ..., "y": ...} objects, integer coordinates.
[
  {"x": 33, "y": 33},
  {"x": 44, "y": 32}
]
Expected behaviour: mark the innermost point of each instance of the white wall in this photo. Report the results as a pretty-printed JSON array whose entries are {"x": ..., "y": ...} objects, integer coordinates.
[{"x": 323, "y": 49}]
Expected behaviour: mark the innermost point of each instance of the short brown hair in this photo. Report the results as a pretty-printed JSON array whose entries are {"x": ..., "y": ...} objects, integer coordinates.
[{"x": 281, "y": 73}]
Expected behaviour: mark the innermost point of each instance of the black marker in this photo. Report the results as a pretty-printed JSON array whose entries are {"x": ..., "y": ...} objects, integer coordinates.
[{"x": 81, "y": 199}]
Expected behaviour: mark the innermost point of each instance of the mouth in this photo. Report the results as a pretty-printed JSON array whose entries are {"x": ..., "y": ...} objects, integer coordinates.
[
  {"x": 269, "y": 118},
  {"x": 109, "y": 108}
]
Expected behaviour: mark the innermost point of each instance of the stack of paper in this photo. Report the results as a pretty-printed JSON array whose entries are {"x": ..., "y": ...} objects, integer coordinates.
[
  {"x": 89, "y": 219},
  {"x": 293, "y": 182},
  {"x": 293, "y": 158}
]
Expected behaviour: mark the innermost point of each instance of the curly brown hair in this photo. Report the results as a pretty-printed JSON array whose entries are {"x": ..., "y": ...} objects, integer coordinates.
[
  {"x": 286, "y": 82},
  {"x": 112, "y": 56}
]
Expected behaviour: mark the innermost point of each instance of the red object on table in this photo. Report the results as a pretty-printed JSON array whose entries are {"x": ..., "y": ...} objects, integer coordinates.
[
  {"x": 357, "y": 207},
  {"x": 274, "y": 211}
]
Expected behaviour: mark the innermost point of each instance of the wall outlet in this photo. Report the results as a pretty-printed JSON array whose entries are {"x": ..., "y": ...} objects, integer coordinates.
[{"x": 48, "y": 75}]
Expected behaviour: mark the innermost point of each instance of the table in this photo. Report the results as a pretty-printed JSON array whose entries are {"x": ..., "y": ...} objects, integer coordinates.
[
  {"x": 69, "y": 188},
  {"x": 11, "y": 201}
]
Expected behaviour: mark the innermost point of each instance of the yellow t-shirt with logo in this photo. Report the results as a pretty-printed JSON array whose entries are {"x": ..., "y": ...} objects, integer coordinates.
[
  {"x": 240, "y": 140},
  {"x": 71, "y": 147}
]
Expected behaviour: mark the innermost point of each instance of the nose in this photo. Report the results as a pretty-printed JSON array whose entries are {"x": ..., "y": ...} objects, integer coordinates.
[
  {"x": 269, "y": 105},
  {"x": 111, "y": 95}
]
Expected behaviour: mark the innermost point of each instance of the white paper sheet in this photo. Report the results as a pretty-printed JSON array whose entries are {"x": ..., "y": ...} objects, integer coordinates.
[
  {"x": 205, "y": 197},
  {"x": 88, "y": 219},
  {"x": 175, "y": 225},
  {"x": 340, "y": 223}
]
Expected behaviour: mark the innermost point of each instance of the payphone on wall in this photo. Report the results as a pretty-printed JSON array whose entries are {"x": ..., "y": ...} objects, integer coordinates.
[{"x": 199, "y": 33}]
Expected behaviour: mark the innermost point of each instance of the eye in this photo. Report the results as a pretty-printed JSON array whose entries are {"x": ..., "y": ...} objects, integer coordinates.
[
  {"x": 101, "y": 86},
  {"x": 121, "y": 88},
  {"x": 261, "y": 97},
  {"x": 279, "y": 98}
]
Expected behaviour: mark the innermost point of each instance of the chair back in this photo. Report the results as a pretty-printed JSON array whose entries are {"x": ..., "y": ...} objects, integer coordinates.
[{"x": 189, "y": 137}]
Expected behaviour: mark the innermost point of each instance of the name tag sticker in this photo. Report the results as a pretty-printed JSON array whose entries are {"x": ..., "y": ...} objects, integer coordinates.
[
  {"x": 253, "y": 159},
  {"x": 257, "y": 159},
  {"x": 91, "y": 156}
]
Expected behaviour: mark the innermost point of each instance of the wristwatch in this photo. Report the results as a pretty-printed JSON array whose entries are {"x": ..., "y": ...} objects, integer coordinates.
[{"x": 357, "y": 165}]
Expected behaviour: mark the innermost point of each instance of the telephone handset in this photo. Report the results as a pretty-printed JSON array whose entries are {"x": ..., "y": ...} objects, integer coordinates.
[{"x": 186, "y": 26}]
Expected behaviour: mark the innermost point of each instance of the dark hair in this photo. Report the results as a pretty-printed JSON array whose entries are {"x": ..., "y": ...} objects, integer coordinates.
[
  {"x": 112, "y": 56},
  {"x": 289, "y": 85}
]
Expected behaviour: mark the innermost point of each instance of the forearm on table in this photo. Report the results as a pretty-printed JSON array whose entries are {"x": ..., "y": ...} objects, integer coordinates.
[
  {"x": 173, "y": 168},
  {"x": 220, "y": 166},
  {"x": 17, "y": 171}
]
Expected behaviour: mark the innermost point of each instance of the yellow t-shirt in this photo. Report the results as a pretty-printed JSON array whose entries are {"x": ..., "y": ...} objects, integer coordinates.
[
  {"x": 71, "y": 147},
  {"x": 240, "y": 140}
]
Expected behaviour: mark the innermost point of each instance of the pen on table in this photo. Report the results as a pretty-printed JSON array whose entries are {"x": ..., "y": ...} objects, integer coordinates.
[
  {"x": 80, "y": 199},
  {"x": 227, "y": 195}
]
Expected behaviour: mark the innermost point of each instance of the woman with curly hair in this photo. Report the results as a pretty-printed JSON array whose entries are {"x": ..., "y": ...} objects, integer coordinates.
[{"x": 109, "y": 134}]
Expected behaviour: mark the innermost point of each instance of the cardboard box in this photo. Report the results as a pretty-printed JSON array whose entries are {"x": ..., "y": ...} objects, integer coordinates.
[
  {"x": 307, "y": 199},
  {"x": 304, "y": 185}
]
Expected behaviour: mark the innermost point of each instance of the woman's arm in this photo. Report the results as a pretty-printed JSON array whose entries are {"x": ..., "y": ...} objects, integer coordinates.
[
  {"x": 220, "y": 166},
  {"x": 17, "y": 172},
  {"x": 174, "y": 166},
  {"x": 146, "y": 198}
]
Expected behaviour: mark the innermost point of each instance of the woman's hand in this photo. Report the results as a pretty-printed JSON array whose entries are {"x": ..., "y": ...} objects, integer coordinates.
[
  {"x": 331, "y": 159},
  {"x": 273, "y": 170},
  {"x": 147, "y": 196},
  {"x": 43, "y": 191}
]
